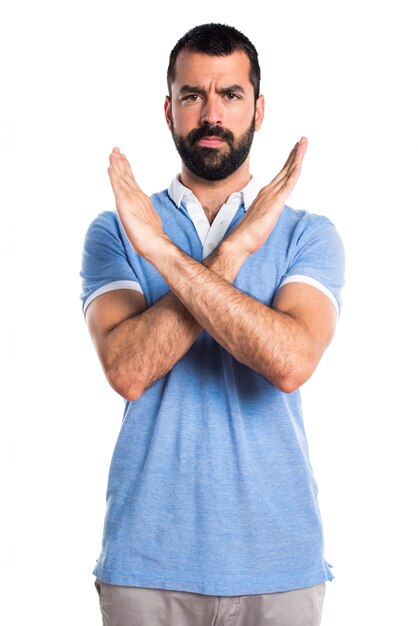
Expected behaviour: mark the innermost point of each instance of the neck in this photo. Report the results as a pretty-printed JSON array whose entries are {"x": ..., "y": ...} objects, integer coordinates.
[{"x": 212, "y": 194}]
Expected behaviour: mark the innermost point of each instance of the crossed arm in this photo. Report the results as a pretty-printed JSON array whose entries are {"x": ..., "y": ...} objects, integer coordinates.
[{"x": 137, "y": 345}]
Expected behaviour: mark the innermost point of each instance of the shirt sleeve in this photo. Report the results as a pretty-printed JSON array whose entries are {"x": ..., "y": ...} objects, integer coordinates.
[
  {"x": 105, "y": 264},
  {"x": 319, "y": 260}
]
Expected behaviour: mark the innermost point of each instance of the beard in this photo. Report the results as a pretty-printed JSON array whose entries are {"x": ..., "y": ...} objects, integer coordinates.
[{"x": 213, "y": 163}]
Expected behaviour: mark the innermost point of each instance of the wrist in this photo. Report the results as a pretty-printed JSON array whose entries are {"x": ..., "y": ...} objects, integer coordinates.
[
  {"x": 231, "y": 248},
  {"x": 226, "y": 260},
  {"x": 157, "y": 248}
]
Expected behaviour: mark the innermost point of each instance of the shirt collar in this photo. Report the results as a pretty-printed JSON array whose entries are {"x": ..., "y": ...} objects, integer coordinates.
[{"x": 178, "y": 192}]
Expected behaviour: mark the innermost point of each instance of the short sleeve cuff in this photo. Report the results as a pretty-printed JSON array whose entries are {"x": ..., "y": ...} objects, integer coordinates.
[
  {"x": 301, "y": 278},
  {"x": 117, "y": 284}
]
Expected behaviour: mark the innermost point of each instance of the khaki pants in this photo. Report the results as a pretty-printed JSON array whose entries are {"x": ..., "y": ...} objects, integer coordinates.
[{"x": 139, "y": 606}]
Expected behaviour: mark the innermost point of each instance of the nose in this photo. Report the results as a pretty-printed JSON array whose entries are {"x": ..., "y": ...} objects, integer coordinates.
[{"x": 211, "y": 114}]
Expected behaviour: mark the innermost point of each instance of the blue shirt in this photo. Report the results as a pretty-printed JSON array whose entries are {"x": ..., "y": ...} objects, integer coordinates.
[{"x": 210, "y": 487}]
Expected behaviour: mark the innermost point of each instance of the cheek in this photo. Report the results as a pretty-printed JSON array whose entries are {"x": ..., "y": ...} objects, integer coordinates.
[
  {"x": 241, "y": 117},
  {"x": 185, "y": 119}
]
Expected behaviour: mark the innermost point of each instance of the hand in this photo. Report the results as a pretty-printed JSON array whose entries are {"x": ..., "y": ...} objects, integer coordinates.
[
  {"x": 141, "y": 222},
  {"x": 258, "y": 222}
]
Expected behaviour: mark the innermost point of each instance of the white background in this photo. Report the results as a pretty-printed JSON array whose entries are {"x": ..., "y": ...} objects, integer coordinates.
[{"x": 82, "y": 77}]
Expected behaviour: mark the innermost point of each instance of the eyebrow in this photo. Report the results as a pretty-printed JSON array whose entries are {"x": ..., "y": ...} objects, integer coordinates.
[{"x": 199, "y": 90}]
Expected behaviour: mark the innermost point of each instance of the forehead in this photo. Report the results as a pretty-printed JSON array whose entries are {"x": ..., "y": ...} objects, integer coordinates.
[{"x": 197, "y": 68}]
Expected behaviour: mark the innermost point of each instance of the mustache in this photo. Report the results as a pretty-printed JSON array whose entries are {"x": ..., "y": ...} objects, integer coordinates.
[{"x": 213, "y": 131}]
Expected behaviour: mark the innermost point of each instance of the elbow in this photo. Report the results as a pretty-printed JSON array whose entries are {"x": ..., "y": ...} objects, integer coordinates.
[
  {"x": 127, "y": 387},
  {"x": 295, "y": 376},
  {"x": 288, "y": 384}
]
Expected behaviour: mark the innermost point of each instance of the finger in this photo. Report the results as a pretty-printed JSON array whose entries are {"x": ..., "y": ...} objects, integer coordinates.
[
  {"x": 115, "y": 159},
  {"x": 299, "y": 156},
  {"x": 296, "y": 162},
  {"x": 114, "y": 179},
  {"x": 117, "y": 154},
  {"x": 123, "y": 169},
  {"x": 300, "y": 152},
  {"x": 284, "y": 174},
  {"x": 291, "y": 156},
  {"x": 291, "y": 181},
  {"x": 299, "y": 145},
  {"x": 114, "y": 155},
  {"x": 118, "y": 169},
  {"x": 126, "y": 166},
  {"x": 286, "y": 166},
  {"x": 121, "y": 182}
]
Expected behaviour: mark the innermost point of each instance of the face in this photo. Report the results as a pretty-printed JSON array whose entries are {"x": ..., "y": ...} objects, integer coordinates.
[{"x": 212, "y": 115}]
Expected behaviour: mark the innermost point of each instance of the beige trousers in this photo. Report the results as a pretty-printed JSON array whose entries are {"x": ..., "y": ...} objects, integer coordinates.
[{"x": 139, "y": 606}]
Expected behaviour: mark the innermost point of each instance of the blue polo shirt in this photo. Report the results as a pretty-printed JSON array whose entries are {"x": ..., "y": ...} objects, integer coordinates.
[{"x": 210, "y": 486}]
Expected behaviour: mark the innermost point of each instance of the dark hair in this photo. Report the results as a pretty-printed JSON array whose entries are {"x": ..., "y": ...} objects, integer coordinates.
[{"x": 216, "y": 40}]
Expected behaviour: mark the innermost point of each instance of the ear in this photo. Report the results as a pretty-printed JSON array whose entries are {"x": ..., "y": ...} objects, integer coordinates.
[
  {"x": 167, "y": 111},
  {"x": 259, "y": 112}
]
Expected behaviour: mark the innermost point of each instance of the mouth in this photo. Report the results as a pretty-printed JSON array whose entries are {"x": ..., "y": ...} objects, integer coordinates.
[{"x": 211, "y": 142}]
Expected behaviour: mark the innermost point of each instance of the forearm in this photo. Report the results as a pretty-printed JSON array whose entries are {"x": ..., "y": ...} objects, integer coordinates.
[
  {"x": 266, "y": 340},
  {"x": 142, "y": 349}
]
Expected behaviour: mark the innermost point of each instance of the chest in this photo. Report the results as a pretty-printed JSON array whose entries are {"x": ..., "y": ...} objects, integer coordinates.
[{"x": 259, "y": 276}]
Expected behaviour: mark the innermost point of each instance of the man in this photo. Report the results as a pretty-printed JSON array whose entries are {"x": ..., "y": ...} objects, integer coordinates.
[{"x": 210, "y": 304}]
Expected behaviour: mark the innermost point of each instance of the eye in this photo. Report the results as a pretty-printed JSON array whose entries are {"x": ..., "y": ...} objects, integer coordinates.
[
  {"x": 191, "y": 97},
  {"x": 232, "y": 96}
]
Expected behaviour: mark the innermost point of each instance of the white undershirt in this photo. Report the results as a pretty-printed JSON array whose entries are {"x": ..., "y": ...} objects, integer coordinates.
[{"x": 211, "y": 234}]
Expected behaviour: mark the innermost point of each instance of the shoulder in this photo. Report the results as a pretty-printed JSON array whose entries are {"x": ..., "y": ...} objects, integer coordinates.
[
  {"x": 314, "y": 251},
  {"x": 304, "y": 221},
  {"x": 105, "y": 233},
  {"x": 302, "y": 228},
  {"x": 105, "y": 221}
]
